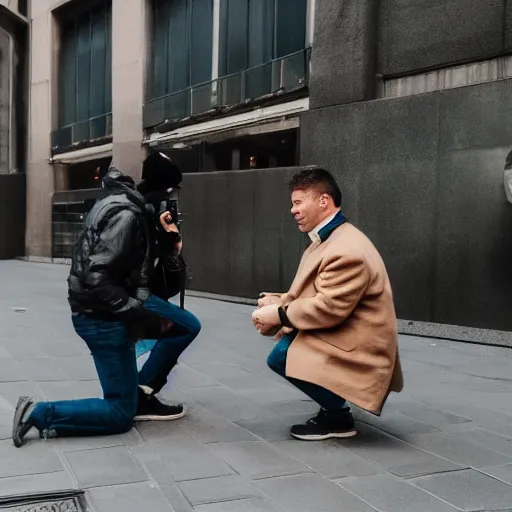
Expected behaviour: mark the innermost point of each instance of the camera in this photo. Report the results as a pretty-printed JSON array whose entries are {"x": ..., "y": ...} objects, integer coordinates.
[{"x": 172, "y": 204}]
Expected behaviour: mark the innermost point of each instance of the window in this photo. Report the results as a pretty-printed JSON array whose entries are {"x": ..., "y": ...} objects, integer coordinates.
[
  {"x": 265, "y": 40},
  {"x": 85, "y": 77},
  {"x": 182, "y": 48},
  {"x": 260, "y": 50}
]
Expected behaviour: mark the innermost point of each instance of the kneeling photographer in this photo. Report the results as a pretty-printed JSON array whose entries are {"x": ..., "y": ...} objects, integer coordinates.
[{"x": 125, "y": 266}]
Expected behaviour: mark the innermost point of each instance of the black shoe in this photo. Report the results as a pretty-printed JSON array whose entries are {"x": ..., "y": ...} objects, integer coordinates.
[
  {"x": 19, "y": 427},
  {"x": 326, "y": 425},
  {"x": 151, "y": 409}
]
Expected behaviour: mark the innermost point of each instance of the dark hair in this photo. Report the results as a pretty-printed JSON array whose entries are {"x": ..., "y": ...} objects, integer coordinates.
[
  {"x": 319, "y": 179},
  {"x": 160, "y": 172}
]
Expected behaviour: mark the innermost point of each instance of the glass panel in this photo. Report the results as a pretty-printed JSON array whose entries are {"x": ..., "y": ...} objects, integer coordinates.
[
  {"x": 108, "y": 61},
  {"x": 201, "y": 41},
  {"x": 67, "y": 80},
  {"x": 261, "y": 48},
  {"x": 179, "y": 46},
  {"x": 98, "y": 62},
  {"x": 290, "y": 26},
  {"x": 160, "y": 48},
  {"x": 83, "y": 82},
  {"x": 85, "y": 74},
  {"x": 234, "y": 27}
]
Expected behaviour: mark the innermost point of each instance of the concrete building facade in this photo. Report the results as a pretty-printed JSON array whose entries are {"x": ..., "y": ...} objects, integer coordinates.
[
  {"x": 407, "y": 102},
  {"x": 111, "y": 78}
]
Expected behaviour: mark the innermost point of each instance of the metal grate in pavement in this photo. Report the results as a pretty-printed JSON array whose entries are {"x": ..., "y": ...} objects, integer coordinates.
[{"x": 56, "y": 502}]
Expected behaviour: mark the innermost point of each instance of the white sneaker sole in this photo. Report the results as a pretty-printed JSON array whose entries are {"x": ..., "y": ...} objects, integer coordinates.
[
  {"x": 152, "y": 417},
  {"x": 333, "y": 435}
]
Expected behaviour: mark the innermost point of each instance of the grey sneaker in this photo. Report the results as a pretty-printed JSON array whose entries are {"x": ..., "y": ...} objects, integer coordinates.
[{"x": 19, "y": 427}]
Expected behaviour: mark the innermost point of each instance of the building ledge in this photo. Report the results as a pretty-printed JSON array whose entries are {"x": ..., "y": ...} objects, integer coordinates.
[
  {"x": 83, "y": 155},
  {"x": 11, "y": 17},
  {"x": 255, "y": 117}
]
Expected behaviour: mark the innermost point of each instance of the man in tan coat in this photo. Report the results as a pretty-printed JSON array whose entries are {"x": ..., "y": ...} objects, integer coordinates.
[{"x": 337, "y": 333}]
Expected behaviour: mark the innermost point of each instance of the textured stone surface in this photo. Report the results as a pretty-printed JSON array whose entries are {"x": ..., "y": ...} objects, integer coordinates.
[
  {"x": 257, "y": 459},
  {"x": 213, "y": 490},
  {"x": 250, "y": 505},
  {"x": 304, "y": 493},
  {"x": 39, "y": 458},
  {"x": 456, "y": 449},
  {"x": 183, "y": 460},
  {"x": 44, "y": 482},
  {"x": 129, "y": 498},
  {"x": 231, "y": 449},
  {"x": 389, "y": 494},
  {"x": 106, "y": 466},
  {"x": 406, "y": 189},
  {"x": 330, "y": 459},
  {"x": 468, "y": 490}
]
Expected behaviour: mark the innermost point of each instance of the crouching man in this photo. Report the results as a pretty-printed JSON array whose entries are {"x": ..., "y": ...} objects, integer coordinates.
[{"x": 337, "y": 333}]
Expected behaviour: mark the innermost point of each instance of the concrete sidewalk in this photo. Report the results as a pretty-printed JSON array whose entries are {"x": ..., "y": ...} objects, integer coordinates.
[{"x": 444, "y": 444}]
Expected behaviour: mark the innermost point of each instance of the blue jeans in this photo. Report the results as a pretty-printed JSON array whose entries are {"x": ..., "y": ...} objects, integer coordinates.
[
  {"x": 277, "y": 362},
  {"x": 113, "y": 351}
]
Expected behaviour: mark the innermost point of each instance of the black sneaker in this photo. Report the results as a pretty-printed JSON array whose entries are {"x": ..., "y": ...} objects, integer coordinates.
[
  {"x": 151, "y": 409},
  {"x": 20, "y": 428},
  {"x": 326, "y": 425}
]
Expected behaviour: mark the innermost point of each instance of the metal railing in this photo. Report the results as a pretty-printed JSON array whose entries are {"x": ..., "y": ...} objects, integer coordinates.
[
  {"x": 282, "y": 75},
  {"x": 94, "y": 128}
]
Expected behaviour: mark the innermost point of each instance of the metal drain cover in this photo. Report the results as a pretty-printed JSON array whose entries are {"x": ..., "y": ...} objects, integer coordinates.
[
  {"x": 70, "y": 505},
  {"x": 55, "y": 502}
]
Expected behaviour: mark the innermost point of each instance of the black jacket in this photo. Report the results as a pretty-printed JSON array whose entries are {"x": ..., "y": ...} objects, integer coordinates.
[{"x": 112, "y": 260}]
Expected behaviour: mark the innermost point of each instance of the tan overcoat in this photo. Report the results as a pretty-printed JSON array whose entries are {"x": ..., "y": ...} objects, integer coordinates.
[{"x": 341, "y": 303}]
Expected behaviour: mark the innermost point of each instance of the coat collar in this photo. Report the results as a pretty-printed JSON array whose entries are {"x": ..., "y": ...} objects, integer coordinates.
[{"x": 322, "y": 232}]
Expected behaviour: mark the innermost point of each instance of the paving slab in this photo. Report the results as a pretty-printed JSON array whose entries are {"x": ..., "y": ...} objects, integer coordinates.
[
  {"x": 503, "y": 473},
  {"x": 257, "y": 459},
  {"x": 183, "y": 460},
  {"x": 456, "y": 448},
  {"x": 70, "y": 389},
  {"x": 40, "y": 482},
  {"x": 250, "y": 505},
  {"x": 269, "y": 427},
  {"x": 129, "y": 498},
  {"x": 468, "y": 490},
  {"x": 329, "y": 459},
  {"x": 388, "y": 494},
  {"x": 105, "y": 467},
  {"x": 397, "y": 457},
  {"x": 168, "y": 486},
  {"x": 6, "y": 414},
  {"x": 207, "y": 427},
  {"x": 46, "y": 369},
  {"x": 217, "y": 490},
  {"x": 488, "y": 440},
  {"x": 305, "y": 493},
  {"x": 11, "y": 371},
  {"x": 38, "y": 458},
  {"x": 72, "y": 444}
]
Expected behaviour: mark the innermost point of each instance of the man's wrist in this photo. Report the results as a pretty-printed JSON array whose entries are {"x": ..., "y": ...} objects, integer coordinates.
[{"x": 283, "y": 317}]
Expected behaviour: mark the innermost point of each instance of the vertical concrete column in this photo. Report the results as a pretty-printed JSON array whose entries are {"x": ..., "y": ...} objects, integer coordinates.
[
  {"x": 343, "y": 59},
  {"x": 129, "y": 48},
  {"x": 61, "y": 177},
  {"x": 39, "y": 171}
]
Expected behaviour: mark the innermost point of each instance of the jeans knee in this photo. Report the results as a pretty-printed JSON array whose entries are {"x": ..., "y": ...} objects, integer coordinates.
[
  {"x": 194, "y": 326},
  {"x": 125, "y": 425},
  {"x": 123, "y": 416},
  {"x": 274, "y": 363}
]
